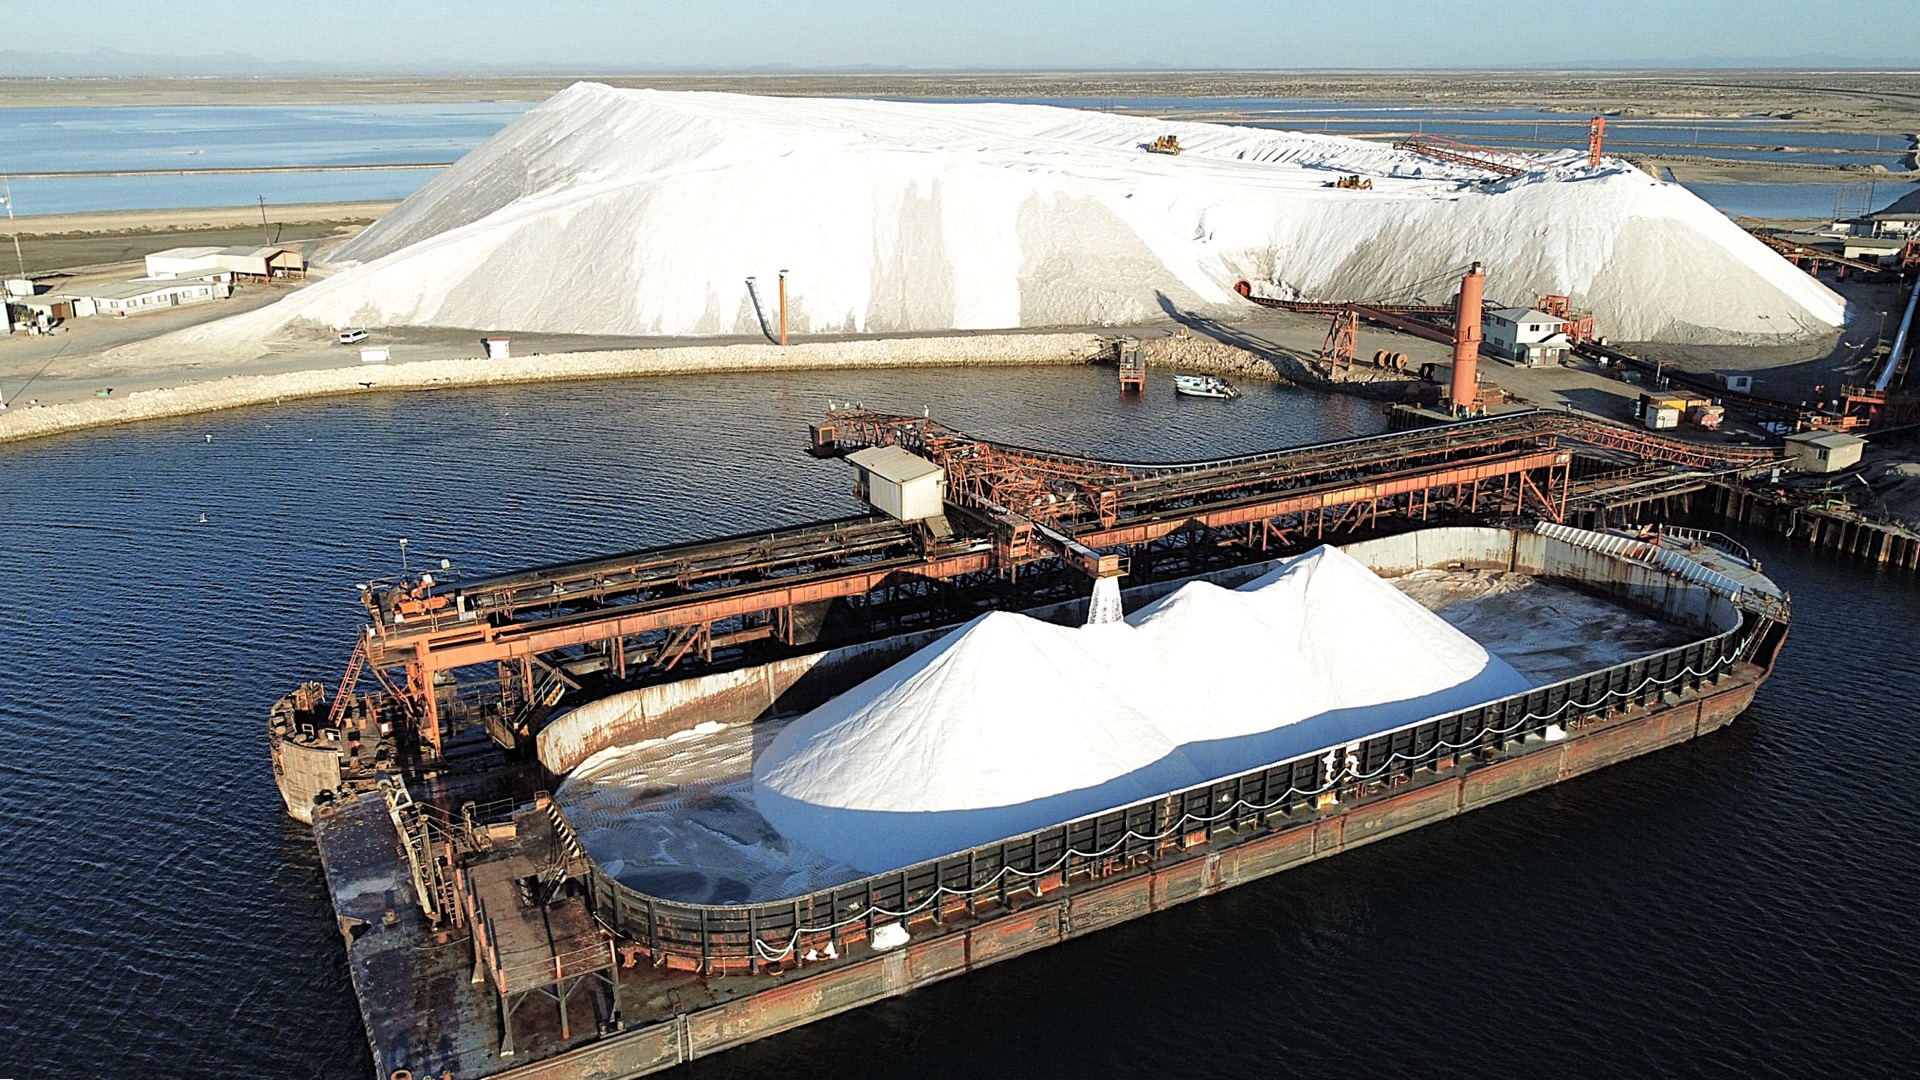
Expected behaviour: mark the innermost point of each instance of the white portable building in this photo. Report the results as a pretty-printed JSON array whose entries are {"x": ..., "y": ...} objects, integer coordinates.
[{"x": 898, "y": 483}]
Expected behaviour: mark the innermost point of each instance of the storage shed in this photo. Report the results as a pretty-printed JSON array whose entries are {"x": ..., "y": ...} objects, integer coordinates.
[
  {"x": 262, "y": 262},
  {"x": 1825, "y": 451},
  {"x": 898, "y": 483},
  {"x": 184, "y": 262}
]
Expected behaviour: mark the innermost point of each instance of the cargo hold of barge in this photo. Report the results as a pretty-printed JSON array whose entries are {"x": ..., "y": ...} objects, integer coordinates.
[{"x": 649, "y": 982}]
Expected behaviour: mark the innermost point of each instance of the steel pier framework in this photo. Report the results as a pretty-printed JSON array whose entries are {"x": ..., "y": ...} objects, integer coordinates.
[{"x": 502, "y": 652}]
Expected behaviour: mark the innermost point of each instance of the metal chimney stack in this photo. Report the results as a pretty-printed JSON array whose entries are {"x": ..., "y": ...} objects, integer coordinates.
[{"x": 1465, "y": 390}]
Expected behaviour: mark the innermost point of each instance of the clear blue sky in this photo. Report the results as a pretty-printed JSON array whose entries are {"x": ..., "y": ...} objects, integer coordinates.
[{"x": 642, "y": 35}]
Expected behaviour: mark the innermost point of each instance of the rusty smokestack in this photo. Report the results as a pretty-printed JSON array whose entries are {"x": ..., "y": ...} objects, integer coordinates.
[{"x": 1465, "y": 390}]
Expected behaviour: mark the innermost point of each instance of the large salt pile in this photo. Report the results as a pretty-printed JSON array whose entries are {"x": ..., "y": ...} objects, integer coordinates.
[
  {"x": 1010, "y": 724},
  {"x": 1001, "y": 726},
  {"x": 645, "y": 212},
  {"x": 1318, "y": 652}
]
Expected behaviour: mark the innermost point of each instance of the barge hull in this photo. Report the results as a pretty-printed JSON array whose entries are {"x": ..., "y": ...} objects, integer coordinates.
[{"x": 803, "y": 998}]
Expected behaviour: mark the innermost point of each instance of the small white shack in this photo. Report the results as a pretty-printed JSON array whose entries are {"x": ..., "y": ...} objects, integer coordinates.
[
  {"x": 147, "y": 294},
  {"x": 1825, "y": 451},
  {"x": 898, "y": 483},
  {"x": 1526, "y": 336}
]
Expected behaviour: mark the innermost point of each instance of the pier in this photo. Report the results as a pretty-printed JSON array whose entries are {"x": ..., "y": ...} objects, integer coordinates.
[{"x": 1022, "y": 525}]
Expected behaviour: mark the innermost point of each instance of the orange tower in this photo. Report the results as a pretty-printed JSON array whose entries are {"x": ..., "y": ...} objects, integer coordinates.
[
  {"x": 1465, "y": 390},
  {"x": 1596, "y": 134}
]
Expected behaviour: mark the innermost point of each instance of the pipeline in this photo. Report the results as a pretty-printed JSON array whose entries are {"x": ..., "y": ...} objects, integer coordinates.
[
  {"x": 1328, "y": 307},
  {"x": 1899, "y": 342}
]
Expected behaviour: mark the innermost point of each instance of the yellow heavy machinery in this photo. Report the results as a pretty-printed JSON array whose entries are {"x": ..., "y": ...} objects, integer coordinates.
[
  {"x": 1354, "y": 182},
  {"x": 1165, "y": 144}
]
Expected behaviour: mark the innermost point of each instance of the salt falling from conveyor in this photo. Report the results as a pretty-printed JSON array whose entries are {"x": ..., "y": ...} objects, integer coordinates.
[{"x": 1010, "y": 724}]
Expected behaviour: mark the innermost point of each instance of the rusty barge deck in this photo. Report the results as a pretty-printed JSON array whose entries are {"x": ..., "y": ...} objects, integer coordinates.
[{"x": 629, "y": 985}]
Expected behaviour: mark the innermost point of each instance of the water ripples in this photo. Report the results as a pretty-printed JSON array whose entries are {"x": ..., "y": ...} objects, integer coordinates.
[{"x": 1736, "y": 906}]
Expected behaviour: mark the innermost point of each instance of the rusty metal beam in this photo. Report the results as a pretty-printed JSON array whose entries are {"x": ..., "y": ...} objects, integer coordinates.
[
  {"x": 1331, "y": 496},
  {"x": 717, "y": 606}
]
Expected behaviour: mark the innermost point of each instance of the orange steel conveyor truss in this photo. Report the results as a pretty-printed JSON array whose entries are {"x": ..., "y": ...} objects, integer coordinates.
[{"x": 501, "y": 651}]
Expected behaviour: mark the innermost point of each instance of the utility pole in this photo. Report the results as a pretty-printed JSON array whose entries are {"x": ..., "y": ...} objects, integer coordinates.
[
  {"x": 266, "y": 231},
  {"x": 8, "y": 199},
  {"x": 783, "y": 309}
]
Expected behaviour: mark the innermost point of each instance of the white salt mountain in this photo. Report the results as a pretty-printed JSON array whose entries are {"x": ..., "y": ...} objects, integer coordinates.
[
  {"x": 1009, "y": 724},
  {"x": 1002, "y": 726},
  {"x": 644, "y": 212}
]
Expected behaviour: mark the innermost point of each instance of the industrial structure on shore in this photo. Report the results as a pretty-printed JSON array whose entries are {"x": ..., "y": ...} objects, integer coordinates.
[{"x": 1552, "y": 331}]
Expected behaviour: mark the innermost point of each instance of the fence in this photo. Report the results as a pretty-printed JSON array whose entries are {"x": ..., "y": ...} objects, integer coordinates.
[{"x": 1221, "y": 813}]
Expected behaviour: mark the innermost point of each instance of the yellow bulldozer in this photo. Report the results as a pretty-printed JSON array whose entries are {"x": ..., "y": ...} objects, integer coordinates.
[
  {"x": 1354, "y": 183},
  {"x": 1165, "y": 144}
]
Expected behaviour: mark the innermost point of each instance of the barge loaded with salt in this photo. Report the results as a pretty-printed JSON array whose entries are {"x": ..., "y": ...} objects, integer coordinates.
[{"x": 835, "y": 800}]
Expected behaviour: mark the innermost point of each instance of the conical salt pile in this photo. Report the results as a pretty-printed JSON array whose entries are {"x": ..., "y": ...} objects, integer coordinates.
[
  {"x": 1009, "y": 724},
  {"x": 1005, "y": 724}
]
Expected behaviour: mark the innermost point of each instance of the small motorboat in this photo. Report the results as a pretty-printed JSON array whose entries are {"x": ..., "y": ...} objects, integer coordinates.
[{"x": 1204, "y": 386}]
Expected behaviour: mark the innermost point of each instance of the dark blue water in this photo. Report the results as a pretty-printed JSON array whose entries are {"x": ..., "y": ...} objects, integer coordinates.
[{"x": 1738, "y": 906}]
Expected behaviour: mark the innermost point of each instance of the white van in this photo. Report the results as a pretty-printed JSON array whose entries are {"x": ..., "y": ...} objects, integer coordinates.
[{"x": 352, "y": 337}]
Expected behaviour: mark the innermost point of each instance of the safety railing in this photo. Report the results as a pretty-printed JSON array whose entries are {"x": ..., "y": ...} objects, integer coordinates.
[
  {"x": 1224, "y": 812},
  {"x": 1647, "y": 552}
]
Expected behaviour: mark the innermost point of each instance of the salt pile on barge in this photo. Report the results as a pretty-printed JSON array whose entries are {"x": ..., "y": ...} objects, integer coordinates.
[
  {"x": 1010, "y": 724},
  {"x": 645, "y": 212}
]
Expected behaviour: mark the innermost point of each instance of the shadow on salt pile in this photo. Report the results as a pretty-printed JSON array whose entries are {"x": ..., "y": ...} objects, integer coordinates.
[
  {"x": 1230, "y": 756},
  {"x": 876, "y": 841},
  {"x": 1009, "y": 725},
  {"x": 890, "y": 839}
]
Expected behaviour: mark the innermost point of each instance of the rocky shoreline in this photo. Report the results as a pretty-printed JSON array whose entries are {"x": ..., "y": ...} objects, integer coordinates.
[
  {"x": 1197, "y": 355},
  {"x": 240, "y": 391}
]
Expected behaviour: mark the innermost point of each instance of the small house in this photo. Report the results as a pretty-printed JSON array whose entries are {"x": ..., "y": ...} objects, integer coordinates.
[{"x": 1526, "y": 336}]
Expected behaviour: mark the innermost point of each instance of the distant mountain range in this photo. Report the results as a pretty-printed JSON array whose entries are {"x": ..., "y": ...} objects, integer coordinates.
[{"x": 112, "y": 63}]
